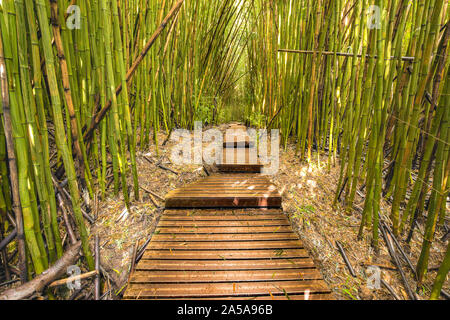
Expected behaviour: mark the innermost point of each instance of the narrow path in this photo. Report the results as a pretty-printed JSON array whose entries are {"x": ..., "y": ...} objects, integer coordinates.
[{"x": 243, "y": 249}]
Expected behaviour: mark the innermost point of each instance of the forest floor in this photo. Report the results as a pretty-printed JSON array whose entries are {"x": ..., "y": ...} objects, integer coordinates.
[{"x": 308, "y": 192}]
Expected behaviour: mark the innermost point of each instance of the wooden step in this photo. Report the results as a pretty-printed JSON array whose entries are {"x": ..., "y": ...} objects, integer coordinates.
[
  {"x": 226, "y": 191},
  {"x": 236, "y": 276},
  {"x": 265, "y": 213},
  {"x": 183, "y": 237},
  {"x": 237, "y": 137},
  {"x": 224, "y": 254},
  {"x": 272, "y": 296},
  {"x": 241, "y": 289},
  {"x": 225, "y": 245},
  {"x": 221, "y": 230},
  {"x": 223, "y": 264},
  {"x": 224, "y": 223},
  {"x": 236, "y": 217},
  {"x": 240, "y": 160}
]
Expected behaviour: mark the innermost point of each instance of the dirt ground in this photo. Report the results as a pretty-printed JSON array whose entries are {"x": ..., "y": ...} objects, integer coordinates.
[{"x": 308, "y": 192}]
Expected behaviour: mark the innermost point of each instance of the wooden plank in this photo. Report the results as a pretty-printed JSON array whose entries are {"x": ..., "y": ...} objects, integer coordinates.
[
  {"x": 241, "y": 289},
  {"x": 224, "y": 194},
  {"x": 228, "y": 178},
  {"x": 219, "y": 213},
  {"x": 273, "y": 296},
  {"x": 224, "y": 223},
  {"x": 226, "y": 245},
  {"x": 237, "y": 188},
  {"x": 143, "y": 277},
  {"x": 239, "y": 168},
  {"x": 200, "y": 265},
  {"x": 239, "y": 155},
  {"x": 237, "y": 126},
  {"x": 240, "y": 178},
  {"x": 241, "y": 229},
  {"x": 230, "y": 185},
  {"x": 237, "y": 217},
  {"x": 225, "y": 202},
  {"x": 237, "y": 137},
  {"x": 225, "y": 237},
  {"x": 238, "y": 142},
  {"x": 224, "y": 254},
  {"x": 235, "y": 177}
]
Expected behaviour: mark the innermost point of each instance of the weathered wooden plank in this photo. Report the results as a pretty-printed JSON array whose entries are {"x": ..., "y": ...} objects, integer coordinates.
[
  {"x": 241, "y": 289},
  {"x": 239, "y": 189},
  {"x": 224, "y": 223},
  {"x": 225, "y": 237},
  {"x": 241, "y": 229},
  {"x": 225, "y": 212},
  {"x": 143, "y": 277},
  {"x": 224, "y": 194},
  {"x": 238, "y": 177},
  {"x": 240, "y": 155},
  {"x": 223, "y": 202},
  {"x": 222, "y": 264},
  {"x": 199, "y": 217},
  {"x": 224, "y": 254},
  {"x": 226, "y": 245},
  {"x": 273, "y": 296},
  {"x": 240, "y": 168}
]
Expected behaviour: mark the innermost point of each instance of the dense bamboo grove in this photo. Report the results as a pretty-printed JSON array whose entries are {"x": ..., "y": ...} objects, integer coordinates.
[
  {"x": 77, "y": 102},
  {"x": 344, "y": 83}
]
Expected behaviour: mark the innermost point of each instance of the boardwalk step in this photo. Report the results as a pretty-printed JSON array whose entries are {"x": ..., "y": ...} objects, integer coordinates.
[
  {"x": 226, "y": 191},
  {"x": 223, "y": 264},
  {"x": 225, "y": 223},
  {"x": 235, "y": 230},
  {"x": 215, "y": 217},
  {"x": 142, "y": 277},
  {"x": 241, "y": 289},
  {"x": 240, "y": 160},
  {"x": 237, "y": 137},
  {"x": 225, "y": 245},
  {"x": 224, "y": 237},
  {"x": 225, "y": 254}
]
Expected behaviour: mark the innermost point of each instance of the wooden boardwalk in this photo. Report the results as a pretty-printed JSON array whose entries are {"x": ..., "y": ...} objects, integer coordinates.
[{"x": 226, "y": 252}]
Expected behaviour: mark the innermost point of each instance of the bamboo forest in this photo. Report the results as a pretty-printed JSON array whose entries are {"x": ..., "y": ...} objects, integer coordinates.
[{"x": 233, "y": 149}]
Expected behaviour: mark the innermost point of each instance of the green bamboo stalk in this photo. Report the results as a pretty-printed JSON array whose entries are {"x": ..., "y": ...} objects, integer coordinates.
[
  {"x": 441, "y": 276},
  {"x": 60, "y": 135},
  {"x": 12, "y": 161}
]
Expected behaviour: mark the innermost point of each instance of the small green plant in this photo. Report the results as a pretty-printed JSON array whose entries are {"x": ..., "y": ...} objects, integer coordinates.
[
  {"x": 307, "y": 209},
  {"x": 256, "y": 119}
]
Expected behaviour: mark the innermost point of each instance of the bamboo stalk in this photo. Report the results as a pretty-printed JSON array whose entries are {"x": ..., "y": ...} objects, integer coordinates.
[{"x": 12, "y": 164}]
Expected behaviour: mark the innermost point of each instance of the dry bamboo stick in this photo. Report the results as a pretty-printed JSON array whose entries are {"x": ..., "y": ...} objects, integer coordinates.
[
  {"x": 72, "y": 279},
  {"x": 342, "y": 54}
]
